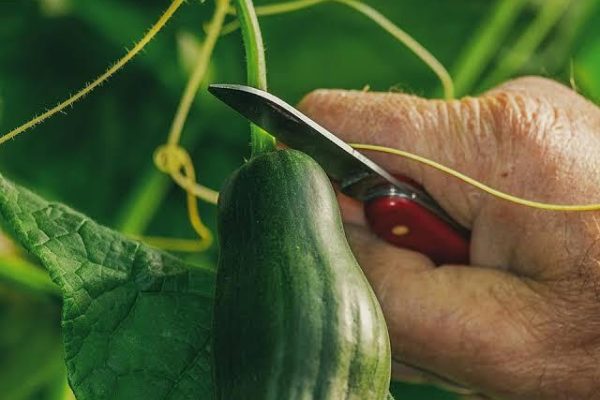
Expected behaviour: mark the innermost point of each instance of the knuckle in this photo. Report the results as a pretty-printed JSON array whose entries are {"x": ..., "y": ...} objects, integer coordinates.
[
  {"x": 529, "y": 127},
  {"x": 532, "y": 110},
  {"x": 519, "y": 116}
]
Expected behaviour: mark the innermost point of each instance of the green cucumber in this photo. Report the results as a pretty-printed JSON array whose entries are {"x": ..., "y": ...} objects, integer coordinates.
[{"x": 295, "y": 317}]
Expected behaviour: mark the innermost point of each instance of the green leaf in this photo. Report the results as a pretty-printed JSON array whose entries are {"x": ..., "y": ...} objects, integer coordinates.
[
  {"x": 261, "y": 140},
  {"x": 136, "y": 321}
]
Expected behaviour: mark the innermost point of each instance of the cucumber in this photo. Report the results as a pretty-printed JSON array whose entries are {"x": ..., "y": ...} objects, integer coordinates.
[{"x": 295, "y": 317}]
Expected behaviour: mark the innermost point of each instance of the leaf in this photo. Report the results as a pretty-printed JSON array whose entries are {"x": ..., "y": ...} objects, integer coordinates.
[{"x": 136, "y": 321}]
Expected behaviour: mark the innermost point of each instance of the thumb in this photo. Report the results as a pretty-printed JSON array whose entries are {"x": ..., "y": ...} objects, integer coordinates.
[
  {"x": 459, "y": 134},
  {"x": 484, "y": 328}
]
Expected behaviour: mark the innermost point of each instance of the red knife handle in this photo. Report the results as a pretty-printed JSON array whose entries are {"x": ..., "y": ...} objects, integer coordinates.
[{"x": 407, "y": 224}]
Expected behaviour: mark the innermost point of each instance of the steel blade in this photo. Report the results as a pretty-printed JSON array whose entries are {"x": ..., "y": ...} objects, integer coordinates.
[{"x": 355, "y": 172}]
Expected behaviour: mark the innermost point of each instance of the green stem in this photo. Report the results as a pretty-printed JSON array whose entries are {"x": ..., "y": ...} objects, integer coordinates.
[
  {"x": 149, "y": 192},
  {"x": 147, "y": 196},
  {"x": 154, "y": 30},
  {"x": 485, "y": 44},
  {"x": 100, "y": 16},
  {"x": 261, "y": 141},
  {"x": 27, "y": 275},
  {"x": 203, "y": 59},
  {"x": 526, "y": 45}
]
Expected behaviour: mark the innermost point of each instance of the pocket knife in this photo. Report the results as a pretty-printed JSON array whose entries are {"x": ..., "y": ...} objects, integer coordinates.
[{"x": 397, "y": 209}]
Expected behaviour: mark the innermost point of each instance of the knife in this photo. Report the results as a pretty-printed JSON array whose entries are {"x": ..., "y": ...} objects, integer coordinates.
[{"x": 397, "y": 209}]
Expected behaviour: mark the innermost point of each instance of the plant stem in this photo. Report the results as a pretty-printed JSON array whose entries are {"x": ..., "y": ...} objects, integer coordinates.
[
  {"x": 526, "y": 45},
  {"x": 173, "y": 159},
  {"x": 100, "y": 16},
  {"x": 486, "y": 42},
  {"x": 261, "y": 141},
  {"x": 285, "y": 7},
  {"x": 162, "y": 21},
  {"x": 149, "y": 193},
  {"x": 202, "y": 62}
]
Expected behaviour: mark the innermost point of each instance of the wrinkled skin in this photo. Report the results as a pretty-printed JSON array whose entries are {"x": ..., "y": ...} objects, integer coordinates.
[{"x": 523, "y": 321}]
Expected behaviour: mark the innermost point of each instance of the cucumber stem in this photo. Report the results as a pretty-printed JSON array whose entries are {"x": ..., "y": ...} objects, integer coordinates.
[{"x": 260, "y": 140}]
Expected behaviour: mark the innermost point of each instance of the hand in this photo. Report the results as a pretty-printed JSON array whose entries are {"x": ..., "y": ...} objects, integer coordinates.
[{"x": 523, "y": 321}]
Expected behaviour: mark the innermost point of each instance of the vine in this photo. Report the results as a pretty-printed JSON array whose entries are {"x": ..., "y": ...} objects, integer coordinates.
[
  {"x": 175, "y": 161},
  {"x": 261, "y": 141},
  {"x": 162, "y": 21}
]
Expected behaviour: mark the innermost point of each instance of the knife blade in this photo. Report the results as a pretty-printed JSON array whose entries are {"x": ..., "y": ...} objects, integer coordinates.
[
  {"x": 397, "y": 210},
  {"x": 358, "y": 176},
  {"x": 355, "y": 173}
]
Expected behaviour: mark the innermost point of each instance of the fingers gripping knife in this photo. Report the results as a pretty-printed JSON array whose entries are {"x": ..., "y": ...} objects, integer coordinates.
[{"x": 397, "y": 209}]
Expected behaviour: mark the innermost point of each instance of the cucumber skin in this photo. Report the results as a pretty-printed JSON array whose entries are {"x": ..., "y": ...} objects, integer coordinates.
[{"x": 295, "y": 317}]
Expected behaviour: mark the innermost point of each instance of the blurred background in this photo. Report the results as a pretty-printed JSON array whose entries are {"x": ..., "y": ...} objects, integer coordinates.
[{"x": 98, "y": 157}]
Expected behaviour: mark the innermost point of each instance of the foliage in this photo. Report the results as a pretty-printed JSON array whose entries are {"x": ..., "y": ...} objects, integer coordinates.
[{"x": 136, "y": 321}]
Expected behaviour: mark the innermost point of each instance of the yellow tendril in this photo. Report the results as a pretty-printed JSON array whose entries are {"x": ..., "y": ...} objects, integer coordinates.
[
  {"x": 175, "y": 161},
  {"x": 202, "y": 61},
  {"x": 375, "y": 16},
  {"x": 481, "y": 186},
  {"x": 162, "y": 21}
]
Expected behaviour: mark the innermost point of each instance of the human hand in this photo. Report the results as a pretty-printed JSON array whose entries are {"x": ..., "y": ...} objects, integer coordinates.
[{"x": 523, "y": 321}]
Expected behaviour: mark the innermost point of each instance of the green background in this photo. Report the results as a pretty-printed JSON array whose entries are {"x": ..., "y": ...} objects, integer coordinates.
[{"x": 98, "y": 157}]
